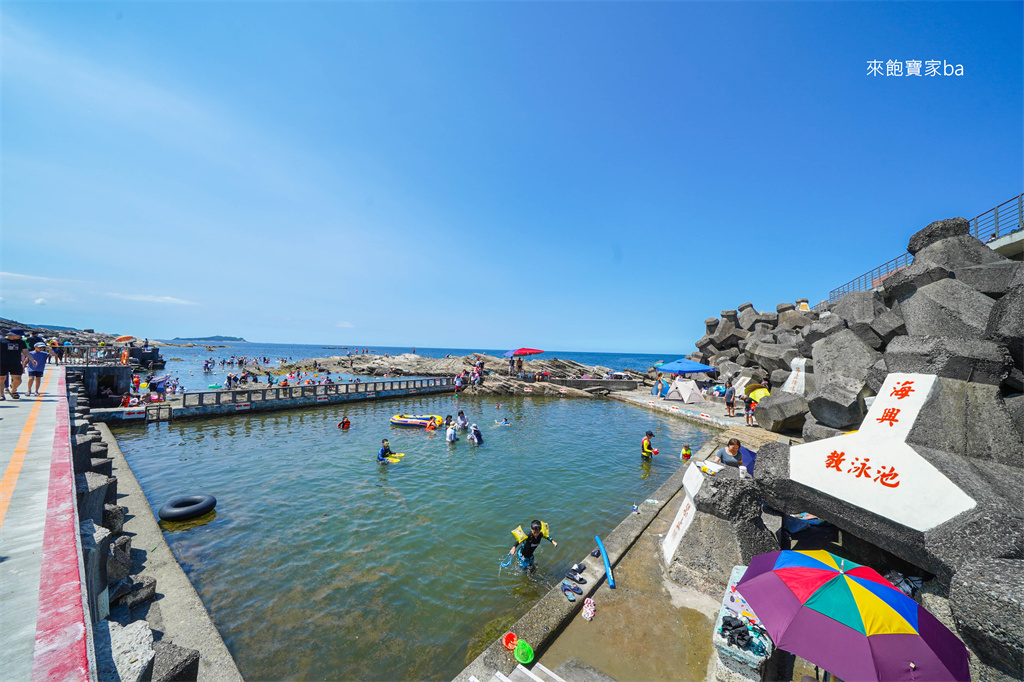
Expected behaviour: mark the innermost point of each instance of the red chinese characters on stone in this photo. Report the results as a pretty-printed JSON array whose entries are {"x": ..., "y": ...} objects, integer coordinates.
[
  {"x": 887, "y": 478},
  {"x": 902, "y": 390},
  {"x": 834, "y": 460},
  {"x": 889, "y": 414},
  {"x": 860, "y": 468}
]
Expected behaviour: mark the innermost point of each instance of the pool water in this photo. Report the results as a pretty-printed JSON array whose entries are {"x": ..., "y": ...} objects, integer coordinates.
[{"x": 322, "y": 564}]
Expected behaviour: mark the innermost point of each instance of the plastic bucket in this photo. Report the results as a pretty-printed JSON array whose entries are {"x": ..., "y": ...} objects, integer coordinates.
[
  {"x": 509, "y": 640},
  {"x": 524, "y": 652}
]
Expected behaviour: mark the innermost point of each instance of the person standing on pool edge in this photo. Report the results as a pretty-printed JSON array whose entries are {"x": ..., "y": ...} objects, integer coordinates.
[
  {"x": 647, "y": 450},
  {"x": 526, "y": 544}
]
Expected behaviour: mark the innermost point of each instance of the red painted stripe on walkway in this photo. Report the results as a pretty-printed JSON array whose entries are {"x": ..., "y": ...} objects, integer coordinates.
[{"x": 61, "y": 650}]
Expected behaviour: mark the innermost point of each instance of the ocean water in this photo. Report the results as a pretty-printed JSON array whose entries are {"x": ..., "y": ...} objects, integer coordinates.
[
  {"x": 189, "y": 372},
  {"x": 322, "y": 564}
]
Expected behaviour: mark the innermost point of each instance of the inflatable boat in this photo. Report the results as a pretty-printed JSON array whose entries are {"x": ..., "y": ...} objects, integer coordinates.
[{"x": 420, "y": 420}]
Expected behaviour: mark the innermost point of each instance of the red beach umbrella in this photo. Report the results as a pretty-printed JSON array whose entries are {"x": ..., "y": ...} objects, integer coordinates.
[{"x": 519, "y": 352}]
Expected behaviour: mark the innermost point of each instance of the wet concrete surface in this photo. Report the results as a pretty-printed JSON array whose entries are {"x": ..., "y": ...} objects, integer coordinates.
[{"x": 648, "y": 628}]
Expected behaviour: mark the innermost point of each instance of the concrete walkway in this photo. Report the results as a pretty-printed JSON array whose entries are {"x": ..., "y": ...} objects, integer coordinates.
[
  {"x": 710, "y": 413},
  {"x": 649, "y": 628},
  {"x": 37, "y": 502}
]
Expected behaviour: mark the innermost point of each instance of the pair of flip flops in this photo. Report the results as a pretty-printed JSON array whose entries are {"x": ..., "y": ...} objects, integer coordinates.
[
  {"x": 588, "y": 609},
  {"x": 570, "y": 590},
  {"x": 575, "y": 577}
]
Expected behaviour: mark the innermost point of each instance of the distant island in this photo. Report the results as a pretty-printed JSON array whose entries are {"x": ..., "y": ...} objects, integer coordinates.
[{"x": 237, "y": 339}]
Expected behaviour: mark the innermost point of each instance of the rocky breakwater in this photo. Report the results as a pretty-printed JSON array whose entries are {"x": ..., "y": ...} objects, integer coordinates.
[
  {"x": 118, "y": 597},
  {"x": 496, "y": 379},
  {"x": 928, "y": 370}
]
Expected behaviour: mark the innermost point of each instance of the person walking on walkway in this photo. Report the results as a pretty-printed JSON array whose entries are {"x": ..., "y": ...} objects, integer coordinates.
[
  {"x": 13, "y": 356},
  {"x": 35, "y": 375}
]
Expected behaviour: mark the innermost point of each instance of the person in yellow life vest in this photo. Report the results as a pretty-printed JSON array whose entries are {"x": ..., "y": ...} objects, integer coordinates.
[
  {"x": 527, "y": 543},
  {"x": 685, "y": 454},
  {"x": 647, "y": 451}
]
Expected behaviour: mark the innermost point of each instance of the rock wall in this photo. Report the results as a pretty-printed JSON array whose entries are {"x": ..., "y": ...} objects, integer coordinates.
[
  {"x": 125, "y": 648},
  {"x": 956, "y": 313}
]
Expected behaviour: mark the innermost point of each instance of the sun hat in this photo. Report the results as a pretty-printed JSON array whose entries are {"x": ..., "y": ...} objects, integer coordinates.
[
  {"x": 16, "y": 332},
  {"x": 40, "y": 344}
]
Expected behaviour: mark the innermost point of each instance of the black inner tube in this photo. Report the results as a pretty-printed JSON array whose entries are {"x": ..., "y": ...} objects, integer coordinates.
[{"x": 187, "y": 507}]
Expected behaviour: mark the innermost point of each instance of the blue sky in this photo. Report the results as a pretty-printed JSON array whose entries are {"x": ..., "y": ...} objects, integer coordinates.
[{"x": 574, "y": 176}]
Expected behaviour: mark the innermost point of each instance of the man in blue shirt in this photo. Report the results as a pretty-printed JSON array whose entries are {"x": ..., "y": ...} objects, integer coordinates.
[
  {"x": 730, "y": 400},
  {"x": 39, "y": 356}
]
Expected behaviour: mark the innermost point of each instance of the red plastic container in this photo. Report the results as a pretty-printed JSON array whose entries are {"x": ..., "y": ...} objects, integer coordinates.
[{"x": 510, "y": 640}]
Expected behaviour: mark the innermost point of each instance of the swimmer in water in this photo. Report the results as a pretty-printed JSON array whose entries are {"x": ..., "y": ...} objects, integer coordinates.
[
  {"x": 503, "y": 422},
  {"x": 385, "y": 451}
]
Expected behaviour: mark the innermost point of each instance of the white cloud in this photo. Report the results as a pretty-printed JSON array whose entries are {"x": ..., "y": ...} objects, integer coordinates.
[
  {"x": 345, "y": 325},
  {"x": 35, "y": 278},
  {"x": 148, "y": 298},
  {"x": 40, "y": 301}
]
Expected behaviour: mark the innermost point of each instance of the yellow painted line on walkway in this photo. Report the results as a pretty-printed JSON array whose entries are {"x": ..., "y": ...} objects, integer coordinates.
[{"x": 10, "y": 478}]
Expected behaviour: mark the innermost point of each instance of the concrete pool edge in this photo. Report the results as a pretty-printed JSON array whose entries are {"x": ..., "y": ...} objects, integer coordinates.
[
  {"x": 551, "y": 614},
  {"x": 184, "y": 618}
]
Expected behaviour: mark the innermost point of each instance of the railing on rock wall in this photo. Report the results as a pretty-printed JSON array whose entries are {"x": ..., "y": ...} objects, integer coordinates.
[
  {"x": 1005, "y": 218},
  {"x": 90, "y": 355},
  {"x": 256, "y": 395}
]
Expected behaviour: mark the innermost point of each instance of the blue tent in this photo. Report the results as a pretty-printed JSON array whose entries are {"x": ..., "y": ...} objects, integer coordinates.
[{"x": 684, "y": 366}]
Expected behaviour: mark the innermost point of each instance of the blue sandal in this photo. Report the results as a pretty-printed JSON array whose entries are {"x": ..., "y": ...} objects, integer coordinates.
[
  {"x": 570, "y": 586},
  {"x": 568, "y": 593}
]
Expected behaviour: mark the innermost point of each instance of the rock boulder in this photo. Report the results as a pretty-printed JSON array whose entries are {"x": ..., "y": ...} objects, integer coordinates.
[
  {"x": 982, "y": 362},
  {"x": 947, "y": 307},
  {"x": 1005, "y": 323},
  {"x": 991, "y": 279},
  {"x": 839, "y": 402},
  {"x": 969, "y": 420},
  {"x": 937, "y": 231},
  {"x": 781, "y": 411},
  {"x": 813, "y": 431},
  {"x": 959, "y": 252},
  {"x": 888, "y": 325},
  {"x": 987, "y": 600},
  {"x": 918, "y": 274},
  {"x": 843, "y": 354}
]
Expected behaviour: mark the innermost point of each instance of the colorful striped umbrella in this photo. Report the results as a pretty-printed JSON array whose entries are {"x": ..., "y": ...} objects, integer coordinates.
[{"x": 849, "y": 620}]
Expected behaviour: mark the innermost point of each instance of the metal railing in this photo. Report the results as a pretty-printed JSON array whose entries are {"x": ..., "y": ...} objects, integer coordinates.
[
  {"x": 89, "y": 355},
  {"x": 1005, "y": 218},
  {"x": 255, "y": 395},
  {"x": 871, "y": 279}
]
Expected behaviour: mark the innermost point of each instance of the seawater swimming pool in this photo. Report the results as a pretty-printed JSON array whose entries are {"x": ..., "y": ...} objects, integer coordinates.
[{"x": 321, "y": 564}]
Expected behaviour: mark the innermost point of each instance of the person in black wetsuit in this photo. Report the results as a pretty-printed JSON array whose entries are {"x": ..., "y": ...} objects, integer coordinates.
[{"x": 529, "y": 543}]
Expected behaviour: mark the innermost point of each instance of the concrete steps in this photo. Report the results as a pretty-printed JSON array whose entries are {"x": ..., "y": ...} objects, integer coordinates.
[{"x": 544, "y": 674}]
